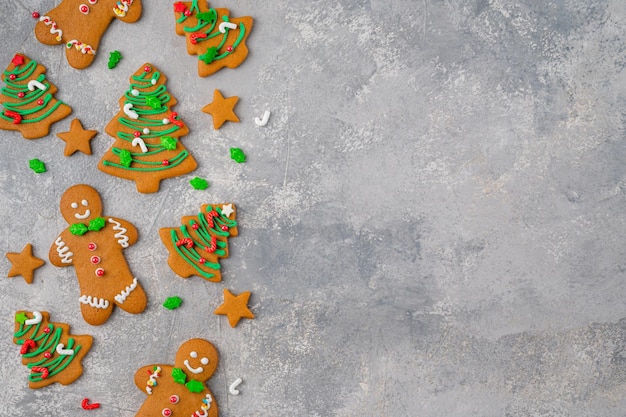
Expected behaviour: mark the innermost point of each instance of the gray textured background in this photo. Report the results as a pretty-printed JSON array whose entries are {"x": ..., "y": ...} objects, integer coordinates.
[{"x": 431, "y": 224}]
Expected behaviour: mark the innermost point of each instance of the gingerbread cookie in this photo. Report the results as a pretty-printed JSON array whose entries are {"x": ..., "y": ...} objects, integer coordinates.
[
  {"x": 48, "y": 349},
  {"x": 24, "y": 263},
  {"x": 196, "y": 247},
  {"x": 28, "y": 99},
  {"x": 77, "y": 139},
  {"x": 218, "y": 39},
  {"x": 94, "y": 245},
  {"x": 147, "y": 147},
  {"x": 221, "y": 109},
  {"x": 180, "y": 390},
  {"x": 80, "y": 24},
  {"x": 235, "y": 307}
]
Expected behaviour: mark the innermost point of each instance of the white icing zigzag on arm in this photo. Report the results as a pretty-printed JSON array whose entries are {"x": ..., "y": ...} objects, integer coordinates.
[
  {"x": 63, "y": 251},
  {"x": 121, "y": 297},
  {"x": 94, "y": 301},
  {"x": 121, "y": 237}
]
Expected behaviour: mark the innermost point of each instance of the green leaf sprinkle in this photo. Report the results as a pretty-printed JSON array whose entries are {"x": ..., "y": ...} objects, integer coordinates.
[
  {"x": 125, "y": 158},
  {"x": 199, "y": 183},
  {"x": 209, "y": 56},
  {"x": 194, "y": 386},
  {"x": 153, "y": 102},
  {"x": 168, "y": 143},
  {"x": 78, "y": 229},
  {"x": 37, "y": 166},
  {"x": 96, "y": 224},
  {"x": 114, "y": 58},
  {"x": 209, "y": 16},
  {"x": 237, "y": 155},
  {"x": 179, "y": 376},
  {"x": 172, "y": 303}
]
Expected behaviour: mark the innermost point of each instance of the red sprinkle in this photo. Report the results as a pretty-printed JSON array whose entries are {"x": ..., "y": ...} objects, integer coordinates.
[
  {"x": 85, "y": 404},
  {"x": 28, "y": 343},
  {"x": 100, "y": 272},
  {"x": 187, "y": 12},
  {"x": 225, "y": 228},
  {"x": 40, "y": 102},
  {"x": 21, "y": 94},
  {"x": 95, "y": 260},
  {"x": 195, "y": 226},
  {"x": 12, "y": 77},
  {"x": 165, "y": 162},
  {"x": 229, "y": 48},
  {"x": 43, "y": 370},
  {"x": 147, "y": 68},
  {"x": 137, "y": 133},
  {"x": 91, "y": 246},
  {"x": 35, "y": 15},
  {"x": 46, "y": 330},
  {"x": 202, "y": 261},
  {"x": 47, "y": 355}
]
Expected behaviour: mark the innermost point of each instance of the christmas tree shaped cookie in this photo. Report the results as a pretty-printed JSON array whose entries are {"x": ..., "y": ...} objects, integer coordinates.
[
  {"x": 147, "y": 148},
  {"x": 80, "y": 24},
  {"x": 28, "y": 99},
  {"x": 197, "y": 245},
  {"x": 218, "y": 39},
  {"x": 48, "y": 349}
]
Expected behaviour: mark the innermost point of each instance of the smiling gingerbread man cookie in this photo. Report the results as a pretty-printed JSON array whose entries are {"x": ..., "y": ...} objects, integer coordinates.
[
  {"x": 180, "y": 390},
  {"x": 93, "y": 245}
]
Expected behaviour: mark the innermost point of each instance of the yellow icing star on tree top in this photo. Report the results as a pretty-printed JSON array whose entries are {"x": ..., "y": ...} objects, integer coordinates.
[{"x": 235, "y": 307}]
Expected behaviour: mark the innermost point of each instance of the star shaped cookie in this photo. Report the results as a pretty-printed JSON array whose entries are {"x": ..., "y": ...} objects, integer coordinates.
[
  {"x": 221, "y": 109},
  {"x": 77, "y": 139},
  {"x": 235, "y": 307},
  {"x": 24, "y": 263}
]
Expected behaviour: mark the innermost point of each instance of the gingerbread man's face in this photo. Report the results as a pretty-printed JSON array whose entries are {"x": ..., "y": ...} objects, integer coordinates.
[
  {"x": 198, "y": 358},
  {"x": 80, "y": 204}
]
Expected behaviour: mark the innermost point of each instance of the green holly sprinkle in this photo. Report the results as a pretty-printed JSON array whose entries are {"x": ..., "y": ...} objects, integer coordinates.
[
  {"x": 125, "y": 158},
  {"x": 153, "y": 102},
  {"x": 194, "y": 386},
  {"x": 209, "y": 56},
  {"x": 114, "y": 58},
  {"x": 209, "y": 16},
  {"x": 96, "y": 224},
  {"x": 78, "y": 229},
  {"x": 20, "y": 318},
  {"x": 237, "y": 155},
  {"x": 37, "y": 166},
  {"x": 172, "y": 303},
  {"x": 199, "y": 183},
  {"x": 168, "y": 143},
  {"x": 179, "y": 376}
]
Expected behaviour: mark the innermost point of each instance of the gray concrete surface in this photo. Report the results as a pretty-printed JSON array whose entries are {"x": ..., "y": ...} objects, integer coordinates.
[{"x": 432, "y": 222}]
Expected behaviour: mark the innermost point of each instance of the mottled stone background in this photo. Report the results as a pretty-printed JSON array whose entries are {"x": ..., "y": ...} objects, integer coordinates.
[{"x": 431, "y": 223}]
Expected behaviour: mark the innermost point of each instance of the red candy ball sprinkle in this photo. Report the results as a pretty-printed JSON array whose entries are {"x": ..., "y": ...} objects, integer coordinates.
[
  {"x": 100, "y": 272},
  {"x": 91, "y": 246},
  {"x": 202, "y": 261},
  {"x": 35, "y": 15},
  {"x": 40, "y": 102},
  {"x": 225, "y": 228},
  {"x": 21, "y": 95},
  {"x": 47, "y": 355},
  {"x": 95, "y": 260},
  {"x": 229, "y": 48},
  {"x": 46, "y": 330},
  {"x": 174, "y": 399},
  {"x": 187, "y": 12},
  {"x": 165, "y": 162},
  {"x": 12, "y": 77},
  {"x": 195, "y": 226},
  {"x": 166, "y": 412},
  {"x": 147, "y": 68},
  {"x": 137, "y": 133}
]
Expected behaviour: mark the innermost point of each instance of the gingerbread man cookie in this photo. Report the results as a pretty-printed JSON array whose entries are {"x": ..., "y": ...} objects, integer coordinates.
[
  {"x": 93, "y": 244},
  {"x": 80, "y": 24},
  {"x": 180, "y": 390}
]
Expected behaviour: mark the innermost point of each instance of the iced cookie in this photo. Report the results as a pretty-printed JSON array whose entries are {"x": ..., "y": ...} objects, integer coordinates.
[
  {"x": 48, "y": 349},
  {"x": 93, "y": 244},
  {"x": 28, "y": 99},
  {"x": 147, "y": 147},
  {"x": 180, "y": 389},
  {"x": 80, "y": 24},
  {"x": 198, "y": 244},
  {"x": 218, "y": 39}
]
